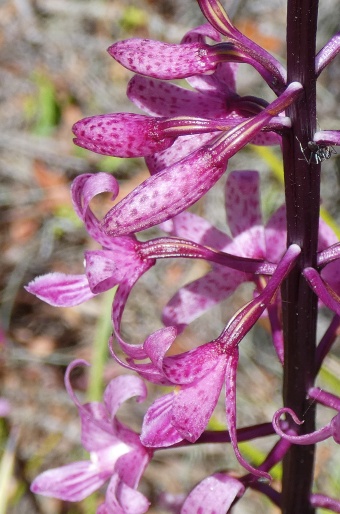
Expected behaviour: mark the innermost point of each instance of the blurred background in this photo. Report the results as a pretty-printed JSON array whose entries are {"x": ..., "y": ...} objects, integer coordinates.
[{"x": 54, "y": 70}]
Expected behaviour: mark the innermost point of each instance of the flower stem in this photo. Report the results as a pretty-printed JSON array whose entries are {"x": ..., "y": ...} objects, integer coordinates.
[{"x": 302, "y": 189}]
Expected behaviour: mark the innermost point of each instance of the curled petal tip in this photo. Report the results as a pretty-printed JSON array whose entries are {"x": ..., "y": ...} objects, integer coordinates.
[{"x": 78, "y": 362}]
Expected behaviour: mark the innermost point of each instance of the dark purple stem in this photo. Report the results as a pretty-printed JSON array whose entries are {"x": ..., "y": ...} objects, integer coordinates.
[
  {"x": 302, "y": 189},
  {"x": 223, "y": 436}
]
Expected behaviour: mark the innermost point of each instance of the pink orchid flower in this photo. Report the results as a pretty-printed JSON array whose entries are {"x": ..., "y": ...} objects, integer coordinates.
[
  {"x": 200, "y": 373},
  {"x": 116, "y": 453}
]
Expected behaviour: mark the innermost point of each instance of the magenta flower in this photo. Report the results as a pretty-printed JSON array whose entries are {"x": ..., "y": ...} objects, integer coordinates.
[
  {"x": 199, "y": 374},
  {"x": 212, "y": 107},
  {"x": 122, "y": 260},
  {"x": 116, "y": 453},
  {"x": 179, "y": 185},
  {"x": 117, "y": 262},
  {"x": 249, "y": 239},
  {"x": 189, "y": 135}
]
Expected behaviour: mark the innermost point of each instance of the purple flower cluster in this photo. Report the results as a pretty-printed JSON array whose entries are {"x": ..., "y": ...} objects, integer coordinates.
[{"x": 187, "y": 137}]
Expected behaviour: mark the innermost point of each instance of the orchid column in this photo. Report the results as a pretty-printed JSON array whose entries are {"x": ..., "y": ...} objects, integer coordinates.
[{"x": 302, "y": 189}]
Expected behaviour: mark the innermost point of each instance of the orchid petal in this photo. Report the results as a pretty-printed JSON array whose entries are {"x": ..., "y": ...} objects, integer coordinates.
[
  {"x": 107, "y": 268},
  {"x": 188, "y": 367},
  {"x": 131, "y": 466},
  {"x": 147, "y": 371},
  {"x": 84, "y": 189},
  {"x": 200, "y": 33},
  {"x": 60, "y": 289},
  {"x": 182, "y": 147},
  {"x": 276, "y": 235},
  {"x": 122, "y": 499},
  {"x": 163, "y": 60},
  {"x": 73, "y": 482},
  {"x": 222, "y": 83},
  {"x": 121, "y": 135},
  {"x": 101, "y": 270},
  {"x": 157, "y": 430},
  {"x": 96, "y": 429},
  {"x": 123, "y": 388},
  {"x": 266, "y": 139},
  {"x": 244, "y": 210},
  {"x": 74, "y": 364},
  {"x": 159, "y": 98},
  {"x": 165, "y": 194},
  {"x": 250, "y": 243},
  {"x": 194, "y": 404},
  {"x": 192, "y": 300},
  {"x": 158, "y": 343},
  {"x": 194, "y": 228},
  {"x": 331, "y": 275},
  {"x": 214, "y": 495}
]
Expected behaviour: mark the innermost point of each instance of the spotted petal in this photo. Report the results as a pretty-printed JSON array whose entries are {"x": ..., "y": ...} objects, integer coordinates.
[
  {"x": 243, "y": 210},
  {"x": 175, "y": 188},
  {"x": 121, "y": 135},
  {"x": 192, "y": 300},
  {"x": 159, "y": 98},
  {"x": 194, "y": 404},
  {"x": 164, "y": 60}
]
